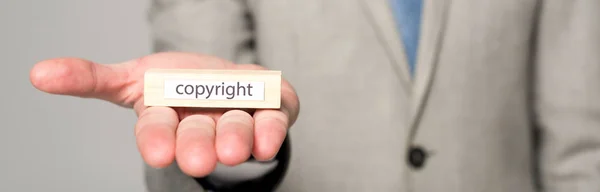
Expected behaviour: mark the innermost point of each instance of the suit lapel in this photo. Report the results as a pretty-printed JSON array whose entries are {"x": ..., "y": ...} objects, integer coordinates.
[
  {"x": 433, "y": 26},
  {"x": 380, "y": 14}
]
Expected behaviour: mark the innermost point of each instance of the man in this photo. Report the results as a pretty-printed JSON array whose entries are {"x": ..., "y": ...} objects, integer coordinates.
[{"x": 465, "y": 96}]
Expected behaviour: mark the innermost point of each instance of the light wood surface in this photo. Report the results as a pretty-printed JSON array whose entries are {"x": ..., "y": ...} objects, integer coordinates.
[{"x": 212, "y": 88}]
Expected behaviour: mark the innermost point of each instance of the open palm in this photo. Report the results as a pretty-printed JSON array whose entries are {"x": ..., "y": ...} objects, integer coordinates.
[{"x": 197, "y": 138}]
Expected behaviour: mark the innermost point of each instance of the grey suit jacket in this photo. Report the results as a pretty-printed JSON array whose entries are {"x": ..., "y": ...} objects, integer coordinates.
[{"x": 506, "y": 95}]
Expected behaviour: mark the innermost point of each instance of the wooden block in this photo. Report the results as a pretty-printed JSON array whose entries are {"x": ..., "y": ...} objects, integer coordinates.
[{"x": 212, "y": 88}]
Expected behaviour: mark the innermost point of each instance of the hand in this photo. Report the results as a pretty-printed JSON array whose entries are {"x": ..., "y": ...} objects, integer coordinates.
[{"x": 197, "y": 138}]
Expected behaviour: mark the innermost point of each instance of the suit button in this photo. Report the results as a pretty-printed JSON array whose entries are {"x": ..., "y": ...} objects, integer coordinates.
[{"x": 417, "y": 157}]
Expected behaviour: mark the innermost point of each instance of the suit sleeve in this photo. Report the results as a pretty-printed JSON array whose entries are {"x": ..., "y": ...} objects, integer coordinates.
[
  {"x": 221, "y": 28},
  {"x": 567, "y": 94}
]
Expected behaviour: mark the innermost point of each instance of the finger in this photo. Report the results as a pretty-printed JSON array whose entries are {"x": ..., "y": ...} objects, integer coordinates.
[
  {"x": 234, "y": 137},
  {"x": 78, "y": 77},
  {"x": 270, "y": 129},
  {"x": 195, "y": 148},
  {"x": 271, "y": 126},
  {"x": 155, "y": 133}
]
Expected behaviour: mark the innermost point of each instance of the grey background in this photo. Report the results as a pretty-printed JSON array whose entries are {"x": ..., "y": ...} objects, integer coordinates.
[{"x": 56, "y": 143}]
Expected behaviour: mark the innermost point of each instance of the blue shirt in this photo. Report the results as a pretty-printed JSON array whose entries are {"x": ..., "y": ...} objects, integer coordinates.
[{"x": 408, "y": 18}]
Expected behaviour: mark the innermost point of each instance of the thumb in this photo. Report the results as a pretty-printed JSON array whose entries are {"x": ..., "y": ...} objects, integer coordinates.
[{"x": 79, "y": 77}]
